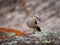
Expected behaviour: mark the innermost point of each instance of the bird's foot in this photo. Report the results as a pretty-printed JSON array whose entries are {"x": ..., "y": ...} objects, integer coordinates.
[{"x": 34, "y": 31}]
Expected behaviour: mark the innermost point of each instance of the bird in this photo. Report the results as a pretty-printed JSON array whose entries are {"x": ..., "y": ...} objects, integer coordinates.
[{"x": 32, "y": 23}]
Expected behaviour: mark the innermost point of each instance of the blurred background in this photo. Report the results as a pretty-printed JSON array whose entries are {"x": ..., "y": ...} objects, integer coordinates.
[{"x": 14, "y": 13}]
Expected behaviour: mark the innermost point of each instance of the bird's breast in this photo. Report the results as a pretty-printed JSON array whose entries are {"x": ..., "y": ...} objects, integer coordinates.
[{"x": 31, "y": 24}]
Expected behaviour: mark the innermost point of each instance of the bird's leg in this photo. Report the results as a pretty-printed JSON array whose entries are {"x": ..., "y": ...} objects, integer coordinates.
[{"x": 34, "y": 31}]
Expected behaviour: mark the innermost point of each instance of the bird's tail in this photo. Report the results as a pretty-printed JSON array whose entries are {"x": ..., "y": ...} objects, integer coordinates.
[{"x": 38, "y": 28}]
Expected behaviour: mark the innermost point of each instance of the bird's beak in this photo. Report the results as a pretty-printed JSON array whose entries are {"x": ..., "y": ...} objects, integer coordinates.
[{"x": 38, "y": 18}]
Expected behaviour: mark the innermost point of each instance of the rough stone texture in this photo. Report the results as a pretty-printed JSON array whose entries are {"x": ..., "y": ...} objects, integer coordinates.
[
  {"x": 39, "y": 38},
  {"x": 14, "y": 16}
]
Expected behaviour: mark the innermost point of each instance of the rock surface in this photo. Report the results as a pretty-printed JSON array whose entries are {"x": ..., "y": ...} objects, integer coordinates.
[{"x": 46, "y": 38}]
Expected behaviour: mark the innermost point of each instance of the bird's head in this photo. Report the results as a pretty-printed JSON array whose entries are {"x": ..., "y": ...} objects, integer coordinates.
[{"x": 37, "y": 17}]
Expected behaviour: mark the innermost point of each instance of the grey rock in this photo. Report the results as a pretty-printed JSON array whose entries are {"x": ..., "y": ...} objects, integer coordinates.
[{"x": 10, "y": 34}]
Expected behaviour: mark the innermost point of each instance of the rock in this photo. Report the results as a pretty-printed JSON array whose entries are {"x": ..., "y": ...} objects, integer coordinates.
[
  {"x": 1, "y": 33},
  {"x": 10, "y": 34},
  {"x": 42, "y": 33}
]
